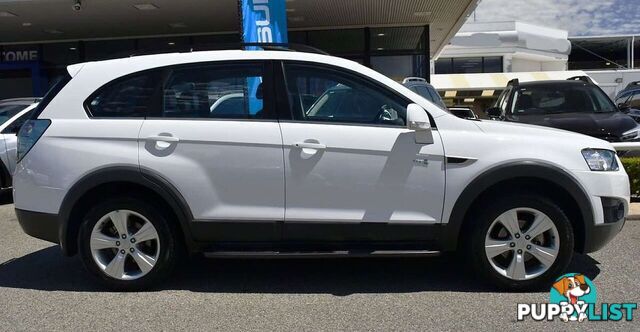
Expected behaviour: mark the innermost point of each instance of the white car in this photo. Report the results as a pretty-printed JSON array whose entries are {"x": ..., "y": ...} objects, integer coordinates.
[
  {"x": 125, "y": 164},
  {"x": 13, "y": 113}
]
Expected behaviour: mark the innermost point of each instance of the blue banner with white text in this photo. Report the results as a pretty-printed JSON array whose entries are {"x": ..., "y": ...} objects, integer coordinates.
[{"x": 263, "y": 21}]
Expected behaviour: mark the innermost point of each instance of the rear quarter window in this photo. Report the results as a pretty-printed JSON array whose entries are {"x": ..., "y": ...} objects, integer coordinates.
[{"x": 127, "y": 97}]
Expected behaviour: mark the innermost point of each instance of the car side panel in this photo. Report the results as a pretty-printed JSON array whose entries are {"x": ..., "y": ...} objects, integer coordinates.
[{"x": 69, "y": 150}]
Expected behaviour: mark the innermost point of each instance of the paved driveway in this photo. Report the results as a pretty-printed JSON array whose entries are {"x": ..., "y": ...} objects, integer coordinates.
[{"x": 41, "y": 290}]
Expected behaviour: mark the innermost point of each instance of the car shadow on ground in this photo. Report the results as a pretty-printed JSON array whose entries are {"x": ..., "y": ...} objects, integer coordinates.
[{"x": 48, "y": 270}]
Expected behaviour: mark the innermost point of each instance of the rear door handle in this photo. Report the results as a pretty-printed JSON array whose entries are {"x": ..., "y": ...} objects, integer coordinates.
[
  {"x": 305, "y": 145},
  {"x": 168, "y": 139}
]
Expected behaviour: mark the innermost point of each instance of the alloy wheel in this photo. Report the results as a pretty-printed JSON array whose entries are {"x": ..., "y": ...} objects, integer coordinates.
[
  {"x": 522, "y": 243},
  {"x": 125, "y": 245}
]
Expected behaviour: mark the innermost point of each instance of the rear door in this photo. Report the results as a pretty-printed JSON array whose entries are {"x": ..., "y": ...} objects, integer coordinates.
[{"x": 215, "y": 138}]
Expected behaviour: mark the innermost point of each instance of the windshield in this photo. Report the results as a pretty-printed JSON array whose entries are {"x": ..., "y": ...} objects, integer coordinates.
[
  {"x": 9, "y": 111},
  {"x": 430, "y": 94},
  {"x": 561, "y": 98}
]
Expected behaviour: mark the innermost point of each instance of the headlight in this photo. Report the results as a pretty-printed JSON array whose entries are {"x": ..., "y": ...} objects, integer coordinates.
[
  {"x": 630, "y": 134},
  {"x": 600, "y": 160}
]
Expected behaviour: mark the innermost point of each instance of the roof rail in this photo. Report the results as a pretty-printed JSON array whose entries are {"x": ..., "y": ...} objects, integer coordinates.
[
  {"x": 413, "y": 79},
  {"x": 514, "y": 82},
  {"x": 583, "y": 78},
  {"x": 292, "y": 47},
  {"x": 285, "y": 47}
]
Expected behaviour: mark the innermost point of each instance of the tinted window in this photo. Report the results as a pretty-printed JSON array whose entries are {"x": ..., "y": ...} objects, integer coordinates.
[
  {"x": 318, "y": 94},
  {"x": 9, "y": 111},
  {"x": 125, "y": 98},
  {"x": 429, "y": 94},
  {"x": 560, "y": 98},
  {"x": 14, "y": 127},
  {"x": 634, "y": 101},
  {"x": 219, "y": 91}
]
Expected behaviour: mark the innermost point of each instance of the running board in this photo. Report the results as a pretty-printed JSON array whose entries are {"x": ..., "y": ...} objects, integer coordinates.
[{"x": 321, "y": 254}]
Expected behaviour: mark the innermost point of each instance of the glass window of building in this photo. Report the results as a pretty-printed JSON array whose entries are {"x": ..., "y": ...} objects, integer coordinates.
[
  {"x": 216, "y": 42},
  {"x": 108, "y": 49},
  {"x": 337, "y": 41},
  {"x": 398, "y": 67},
  {"x": 467, "y": 65},
  {"x": 402, "y": 38},
  {"x": 492, "y": 64},
  {"x": 60, "y": 53},
  {"x": 444, "y": 66},
  {"x": 164, "y": 44}
]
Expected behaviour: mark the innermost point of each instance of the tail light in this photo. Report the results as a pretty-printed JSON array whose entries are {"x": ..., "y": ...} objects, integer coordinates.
[{"x": 29, "y": 134}]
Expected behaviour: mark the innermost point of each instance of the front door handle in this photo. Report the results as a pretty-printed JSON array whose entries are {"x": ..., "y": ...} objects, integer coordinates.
[{"x": 306, "y": 145}]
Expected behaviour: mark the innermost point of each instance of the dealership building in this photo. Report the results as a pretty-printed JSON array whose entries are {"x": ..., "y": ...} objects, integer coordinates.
[{"x": 39, "y": 38}]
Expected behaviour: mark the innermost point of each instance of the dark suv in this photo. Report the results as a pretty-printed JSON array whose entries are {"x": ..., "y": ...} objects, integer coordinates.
[{"x": 576, "y": 104}]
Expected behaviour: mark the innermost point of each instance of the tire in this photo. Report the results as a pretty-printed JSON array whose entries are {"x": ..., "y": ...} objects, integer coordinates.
[
  {"x": 143, "y": 263},
  {"x": 489, "y": 236}
]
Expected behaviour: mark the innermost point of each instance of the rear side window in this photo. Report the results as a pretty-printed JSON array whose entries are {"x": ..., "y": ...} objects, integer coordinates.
[
  {"x": 128, "y": 97},
  {"x": 230, "y": 91}
]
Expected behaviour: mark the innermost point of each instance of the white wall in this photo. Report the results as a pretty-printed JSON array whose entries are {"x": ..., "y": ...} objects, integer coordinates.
[
  {"x": 606, "y": 79},
  {"x": 520, "y": 65}
]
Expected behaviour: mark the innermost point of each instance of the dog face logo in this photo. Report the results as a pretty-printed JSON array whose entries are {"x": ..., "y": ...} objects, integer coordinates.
[
  {"x": 572, "y": 287},
  {"x": 573, "y": 292}
]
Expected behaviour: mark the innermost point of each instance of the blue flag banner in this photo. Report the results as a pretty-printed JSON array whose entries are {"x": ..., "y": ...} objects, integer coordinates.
[{"x": 263, "y": 21}]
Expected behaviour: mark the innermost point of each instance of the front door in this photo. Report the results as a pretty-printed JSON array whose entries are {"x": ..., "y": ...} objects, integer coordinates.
[
  {"x": 215, "y": 139},
  {"x": 353, "y": 170}
]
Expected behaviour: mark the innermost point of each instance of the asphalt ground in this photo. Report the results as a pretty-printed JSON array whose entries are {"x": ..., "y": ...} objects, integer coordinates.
[{"x": 42, "y": 290}]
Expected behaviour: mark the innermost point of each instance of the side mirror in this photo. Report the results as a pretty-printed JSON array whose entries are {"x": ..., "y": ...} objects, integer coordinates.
[
  {"x": 623, "y": 107},
  {"x": 493, "y": 112},
  {"x": 418, "y": 121}
]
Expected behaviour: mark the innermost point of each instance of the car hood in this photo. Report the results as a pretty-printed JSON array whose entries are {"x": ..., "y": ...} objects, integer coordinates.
[
  {"x": 608, "y": 126},
  {"x": 534, "y": 133}
]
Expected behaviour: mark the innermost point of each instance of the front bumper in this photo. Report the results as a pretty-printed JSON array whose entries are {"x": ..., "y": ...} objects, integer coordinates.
[
  {"x": 44, "y": 226},
  {"x": 597, "y": 236}
]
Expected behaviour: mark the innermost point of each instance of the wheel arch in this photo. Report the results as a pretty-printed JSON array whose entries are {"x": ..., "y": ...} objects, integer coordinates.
[
  {"x": 538, "y": 177},
  {"x": 109, "y": 180}
]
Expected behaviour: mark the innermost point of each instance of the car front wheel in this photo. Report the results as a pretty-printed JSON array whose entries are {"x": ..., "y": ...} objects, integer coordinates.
[{"x": 521, "y": 242}]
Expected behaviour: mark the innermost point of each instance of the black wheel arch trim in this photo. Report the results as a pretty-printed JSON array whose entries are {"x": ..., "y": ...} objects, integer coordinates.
[
  {"x": 513, "y": 170},
  {"x": 133, "y": 174}
]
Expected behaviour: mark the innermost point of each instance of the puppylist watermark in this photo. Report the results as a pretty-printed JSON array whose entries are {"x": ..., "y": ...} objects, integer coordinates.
[{"x": 573, "y": 298}]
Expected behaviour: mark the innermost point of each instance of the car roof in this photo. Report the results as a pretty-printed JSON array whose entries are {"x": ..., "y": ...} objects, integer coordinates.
[
  {"x": 20, "y": 101},
  {"x": 552, "y": 82}
]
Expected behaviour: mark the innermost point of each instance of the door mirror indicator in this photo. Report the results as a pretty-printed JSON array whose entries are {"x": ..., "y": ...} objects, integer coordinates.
[{"x": 418, "y": 121}]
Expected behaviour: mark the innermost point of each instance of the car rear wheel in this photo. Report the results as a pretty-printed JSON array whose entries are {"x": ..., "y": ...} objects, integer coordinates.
[
  {"x": 127, "y": 244},
  {"x": 521, "y": 242}
]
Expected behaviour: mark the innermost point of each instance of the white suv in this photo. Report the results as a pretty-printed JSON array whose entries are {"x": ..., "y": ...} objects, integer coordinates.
[{"x": 127, "y": 164}]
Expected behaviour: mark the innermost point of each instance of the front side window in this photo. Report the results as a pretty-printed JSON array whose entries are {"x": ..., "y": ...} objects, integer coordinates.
[
  {"x": 320, "y": 94},
  {"x": 129, "y": 97},
  {"x": 561, "y": 99},
  {"x": 215, "y": 91}
]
